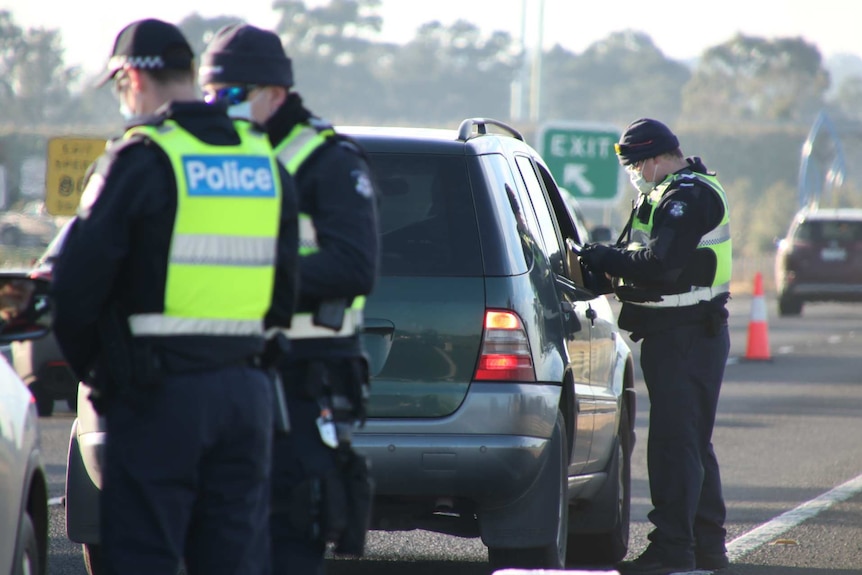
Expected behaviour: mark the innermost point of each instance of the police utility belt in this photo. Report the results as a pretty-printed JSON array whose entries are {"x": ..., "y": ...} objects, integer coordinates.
[
  {"x": 309, "y": 326},
  {"x": 688, "y": 298}
]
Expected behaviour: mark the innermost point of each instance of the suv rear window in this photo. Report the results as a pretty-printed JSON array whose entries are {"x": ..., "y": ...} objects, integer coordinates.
[
  {"x": 825, "y": 231},
  {"x": 427, "y": 218}
]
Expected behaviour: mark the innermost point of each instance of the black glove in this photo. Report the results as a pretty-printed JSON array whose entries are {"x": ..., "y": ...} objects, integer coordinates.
[{"x": 593, "y": 254}]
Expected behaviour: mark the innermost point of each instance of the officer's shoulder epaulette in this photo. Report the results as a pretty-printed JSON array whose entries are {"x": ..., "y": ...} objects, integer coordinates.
[
  {"x": 337, "y": 137},
  {"x": 319, "y": 124},
  {"x": 117, "y": 146}
]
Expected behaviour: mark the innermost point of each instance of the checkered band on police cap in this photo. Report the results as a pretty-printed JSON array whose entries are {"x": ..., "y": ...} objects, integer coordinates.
[
  {"x": 149, "y": 45},
  {"x": 645, "y": 138}
]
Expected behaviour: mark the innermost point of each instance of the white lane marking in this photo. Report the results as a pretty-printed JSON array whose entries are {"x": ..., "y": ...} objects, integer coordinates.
[
  {"x": 56, "y": 501},
  {"x": 769, "y": 531}
]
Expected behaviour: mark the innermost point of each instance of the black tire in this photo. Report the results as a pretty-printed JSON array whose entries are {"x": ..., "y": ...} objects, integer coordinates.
[
  {"x": 93, "y": 558},
  {"x": 789, "y": 306},
  {"x": 44, "y": 400},
  {"x": 611, "y": 546},
  {"x": 26, "y": 560},
  {"x": 553, "y": 555}
]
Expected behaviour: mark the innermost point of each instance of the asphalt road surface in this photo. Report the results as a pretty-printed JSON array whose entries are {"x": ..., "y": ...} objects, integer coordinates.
[{"x": 788, "y": 438}]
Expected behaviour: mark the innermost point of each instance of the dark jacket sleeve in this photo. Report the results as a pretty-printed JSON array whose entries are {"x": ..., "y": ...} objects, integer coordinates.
[
  {"x": 343, "y": 205},
  {"x": 90, "y": 264},
  {"x": 286, "y": 289},
  {"x": 682, "y": 217}
]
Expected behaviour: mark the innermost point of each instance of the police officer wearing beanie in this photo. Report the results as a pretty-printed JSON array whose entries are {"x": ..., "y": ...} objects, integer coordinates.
[
  {"x": 325, "y": 369},
  {"x": 185, "y": 227},
  {"x": 671, "y": 270}
]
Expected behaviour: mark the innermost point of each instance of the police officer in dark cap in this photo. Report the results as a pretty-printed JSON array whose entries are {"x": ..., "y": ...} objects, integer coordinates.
[
  {"x": 324, "y": 372},
  {"x": 185, "y": 227},
  {"x": 671, "y": 270}
]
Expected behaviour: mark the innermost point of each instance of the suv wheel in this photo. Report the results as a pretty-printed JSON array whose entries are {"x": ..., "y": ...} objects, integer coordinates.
[
  {"x": 552, "y": 555},
  {"x": 610, "y": 546},
  {"x": 44, "y": 400},
  {"x": 789, "y": 306},
  {"x": 93, "y": 558},
  {"x": 27, "y": 552}
]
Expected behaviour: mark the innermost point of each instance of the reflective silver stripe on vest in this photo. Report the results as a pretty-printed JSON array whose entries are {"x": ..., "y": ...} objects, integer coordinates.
[
  {"x": 222, "y": 250},
  {"x": 295, "y": 146},
  {"x": 692, "y": 297},
  {"x": 715, "y": 236},
  {"x": 301, "y": 327},
  {"x": 158, "y": 324}
]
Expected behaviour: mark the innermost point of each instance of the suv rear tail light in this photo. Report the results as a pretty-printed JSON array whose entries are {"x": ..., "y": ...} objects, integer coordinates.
[{"x": 505, "y": 352}]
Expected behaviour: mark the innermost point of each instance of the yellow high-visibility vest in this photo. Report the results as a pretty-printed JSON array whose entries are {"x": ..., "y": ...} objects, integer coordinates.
[
  {"x": 295, "y": 149},
  {"x": 717, "y": 240},
  {"x": 221, "y": 263}
]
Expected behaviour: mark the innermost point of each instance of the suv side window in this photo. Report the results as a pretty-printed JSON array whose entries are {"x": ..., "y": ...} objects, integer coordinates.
[
  {"x": 427, "y": 217},
  {"x": 568, "y": 218},
  {"x": 549, "y": 235}
]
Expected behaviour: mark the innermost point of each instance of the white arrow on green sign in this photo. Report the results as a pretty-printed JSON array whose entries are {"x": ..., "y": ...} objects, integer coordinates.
[{"x": 582, "y": 160}]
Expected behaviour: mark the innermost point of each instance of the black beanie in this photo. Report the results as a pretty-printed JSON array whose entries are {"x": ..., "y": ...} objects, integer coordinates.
[
  {"x": 244, "y": 55},
  {"x": 645, "y": 138}
]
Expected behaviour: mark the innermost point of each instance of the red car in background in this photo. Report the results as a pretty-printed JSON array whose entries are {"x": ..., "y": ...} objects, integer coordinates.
[{"x": 820, "y": 259}]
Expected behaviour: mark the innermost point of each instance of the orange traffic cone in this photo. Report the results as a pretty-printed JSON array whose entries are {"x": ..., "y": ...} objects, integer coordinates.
[{"x": 757, "y": 348}]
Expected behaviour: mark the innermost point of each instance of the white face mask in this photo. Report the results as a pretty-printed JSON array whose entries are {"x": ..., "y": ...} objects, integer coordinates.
[
  {"x": 638, "y": 181},
  {"x": 125, "y": 111},
  {"x": 241, "y": 111}
]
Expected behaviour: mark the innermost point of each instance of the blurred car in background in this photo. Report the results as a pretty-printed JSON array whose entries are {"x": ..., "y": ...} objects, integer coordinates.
[
  {"x": 30, "y": 226},
  {"x": 820, "y": 259},
  {"x": 40, "y": 363},
  {"x": 23, "y": 485}
]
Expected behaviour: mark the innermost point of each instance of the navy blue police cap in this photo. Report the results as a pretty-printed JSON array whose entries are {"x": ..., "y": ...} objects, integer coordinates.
[
  {"x": 148, "y": 44},
  {"x": 245, "y": 55},
  {"x": 645, "y": 138}
]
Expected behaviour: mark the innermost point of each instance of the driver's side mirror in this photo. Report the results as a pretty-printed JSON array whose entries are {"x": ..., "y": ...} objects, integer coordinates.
[{"x": 24, "y": 307}]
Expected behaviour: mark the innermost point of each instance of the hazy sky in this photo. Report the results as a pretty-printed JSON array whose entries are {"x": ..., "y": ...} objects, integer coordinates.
[{"x": 681, "y": 28}]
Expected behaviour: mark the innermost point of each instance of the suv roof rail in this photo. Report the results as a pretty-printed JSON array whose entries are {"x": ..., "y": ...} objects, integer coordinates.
[{"x": 465, "y": 130}]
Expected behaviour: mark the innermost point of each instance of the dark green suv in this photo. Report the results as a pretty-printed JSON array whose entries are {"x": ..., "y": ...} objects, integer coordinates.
[{"x": 502, "y": 402}]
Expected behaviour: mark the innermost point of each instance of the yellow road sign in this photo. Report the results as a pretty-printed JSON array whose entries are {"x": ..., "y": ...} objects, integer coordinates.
[{"x": 68, "y": 160}]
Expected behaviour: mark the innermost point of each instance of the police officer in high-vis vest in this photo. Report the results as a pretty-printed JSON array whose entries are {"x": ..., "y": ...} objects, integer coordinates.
[
  {"x": 185, "y": 228},
  {"x": 671, "y": 270},
  {"x": 324, "y": 371}
]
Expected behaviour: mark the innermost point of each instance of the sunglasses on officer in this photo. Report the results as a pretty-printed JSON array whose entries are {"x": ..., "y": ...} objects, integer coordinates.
[{"x": 231, "y": 94}]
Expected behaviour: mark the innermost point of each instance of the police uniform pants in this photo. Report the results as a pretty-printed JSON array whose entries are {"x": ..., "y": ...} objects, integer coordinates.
[
  {"x": 185, "y": 476},
  {"x": 297, "y": 457},
  {"x": 683, "y": 368}
]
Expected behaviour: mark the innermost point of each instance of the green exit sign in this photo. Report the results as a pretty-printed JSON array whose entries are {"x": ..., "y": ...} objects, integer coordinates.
[{"x": 582, "y": 160}]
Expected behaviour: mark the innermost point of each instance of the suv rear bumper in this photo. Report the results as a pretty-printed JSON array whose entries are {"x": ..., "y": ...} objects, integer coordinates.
[
  {"x": 824, "y": 291},
  {"x": 489, "y": 451}
]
